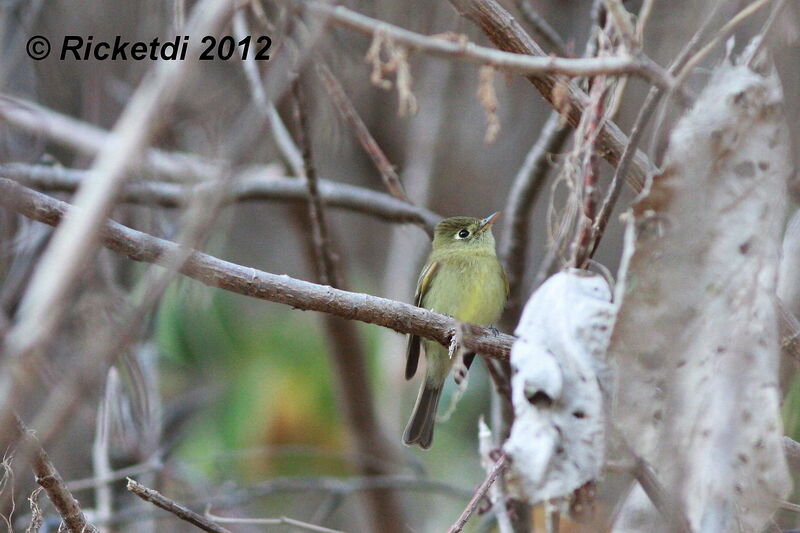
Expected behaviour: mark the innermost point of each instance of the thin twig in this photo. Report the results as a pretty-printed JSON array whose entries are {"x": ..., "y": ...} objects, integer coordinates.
[
  {"x": 150, "y": 465},
  {"x": 348, "y": 112},
  {"x": 777, "y": 8},
  {"x": 521, "y": 64},
  {"x": 294, "y": 485},
  {"x": 50, "y": 480},
  {"x": 615, "y": 188},
  {"x": 283, "y": 520},
  {"x": 326, "y": 259},
  {"x": 346, "y": 351},
  {"x": 478, "y": 495},
  {"x": 184, "y": 513},
  {"x": 552, "y": 518},
  {"x": 280, "y": 134}
]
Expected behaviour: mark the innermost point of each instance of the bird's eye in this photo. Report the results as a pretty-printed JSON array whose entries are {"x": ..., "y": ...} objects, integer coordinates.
[{"x": 463, "y": 234}]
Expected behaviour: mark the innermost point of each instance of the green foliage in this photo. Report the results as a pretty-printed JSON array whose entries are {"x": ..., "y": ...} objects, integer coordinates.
[{"x": 269, "y": 375}]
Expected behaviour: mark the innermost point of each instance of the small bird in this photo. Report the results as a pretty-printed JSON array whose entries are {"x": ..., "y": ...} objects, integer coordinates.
[{"x": 462, "y": 279}]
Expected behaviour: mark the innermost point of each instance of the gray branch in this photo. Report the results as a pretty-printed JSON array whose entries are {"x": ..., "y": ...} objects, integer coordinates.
[{"x": 247, "y": 281}]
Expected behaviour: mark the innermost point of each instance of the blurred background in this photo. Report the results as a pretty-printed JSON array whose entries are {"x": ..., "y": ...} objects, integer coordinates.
[{"x": 222, "y": 398}]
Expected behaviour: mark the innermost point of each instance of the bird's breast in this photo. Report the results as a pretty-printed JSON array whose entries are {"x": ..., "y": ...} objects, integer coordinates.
[{"x": 469, "y": 291}]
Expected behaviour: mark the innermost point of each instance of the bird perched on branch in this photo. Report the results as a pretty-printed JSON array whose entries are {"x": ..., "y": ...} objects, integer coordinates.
[{"x": 462, "y": 279}]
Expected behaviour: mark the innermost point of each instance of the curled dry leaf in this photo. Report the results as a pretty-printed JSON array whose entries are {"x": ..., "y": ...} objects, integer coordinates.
[
  {"x": 397, "y": 63},
  {"x": 696, "y": 341},
  {"x": 557, "y": 442}
]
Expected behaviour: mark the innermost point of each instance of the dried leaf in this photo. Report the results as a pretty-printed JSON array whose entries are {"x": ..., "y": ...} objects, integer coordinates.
[
  {"x": 696, "y": 340},
  {"x": 557, "y": 441}
]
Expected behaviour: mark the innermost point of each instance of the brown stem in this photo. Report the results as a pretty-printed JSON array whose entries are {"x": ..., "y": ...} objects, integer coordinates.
[
  {"x": 50, "y": 480},
  {"x": 347, "y": 353}
]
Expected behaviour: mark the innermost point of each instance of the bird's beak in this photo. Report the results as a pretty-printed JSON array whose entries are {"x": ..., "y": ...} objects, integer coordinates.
[{"x": 487, "y": 222}]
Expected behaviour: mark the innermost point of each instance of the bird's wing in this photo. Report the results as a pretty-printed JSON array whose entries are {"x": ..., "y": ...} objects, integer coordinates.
[
  {"x": 505, "y": 280},
  {"x": 423, "y": 284}
]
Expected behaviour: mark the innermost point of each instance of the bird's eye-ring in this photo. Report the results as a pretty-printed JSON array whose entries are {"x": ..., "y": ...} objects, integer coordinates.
[{"x": 463, "y": 234}]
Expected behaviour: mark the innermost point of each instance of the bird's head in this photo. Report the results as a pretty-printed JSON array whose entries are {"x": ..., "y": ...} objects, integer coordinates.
[{"x": 467, "y": 233}]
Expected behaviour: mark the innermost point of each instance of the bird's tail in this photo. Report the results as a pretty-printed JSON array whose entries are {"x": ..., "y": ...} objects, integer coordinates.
[{"x": 420, "y": 427}]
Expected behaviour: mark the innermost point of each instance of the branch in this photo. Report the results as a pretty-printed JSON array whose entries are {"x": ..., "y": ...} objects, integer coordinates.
[
  {"x": 791, "y": 449},
  {"x": 326, "y": 259},
  {"x": 667, "y": 505},
  {"x": 520, "y": 63},
  {"x": 478, "y": 495},
  {"x": 256, "y": 184},
  {"x": 50, "y": 480},
  {"x": 184, "y": 513},
  {"x": 214, "y": 272},
  {"x": 720, "y": 36}
]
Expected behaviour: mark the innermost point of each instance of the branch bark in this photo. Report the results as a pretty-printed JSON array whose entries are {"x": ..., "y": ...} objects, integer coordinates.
[
  {"x": 184, "y": 513},
  {"x": 247, "y": 281},
  {"x": 50, "y": 480}
]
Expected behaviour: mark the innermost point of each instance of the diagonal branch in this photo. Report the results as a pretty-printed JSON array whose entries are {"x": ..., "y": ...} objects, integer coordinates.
[
  {"x": 479, "y": 494},
  {"x": 88, "y": 140},
  {"x": 182, "y": 512},
  {"x": 542, "y": 28},
  {"x": 214, "y": 272},
  {"x": 508, "y": 35},
  {"x": 50, "y": 480},
  {"x": 348, "y": 112}
]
